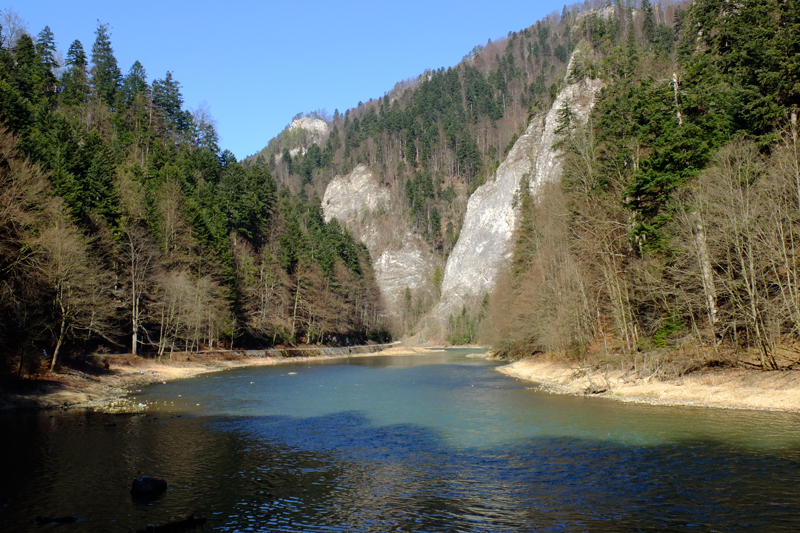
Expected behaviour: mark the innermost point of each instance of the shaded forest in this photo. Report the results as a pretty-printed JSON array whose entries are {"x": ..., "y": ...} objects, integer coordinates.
[
  {"x": 125, "y": 227},
  {"x": 671, "y": 242}
]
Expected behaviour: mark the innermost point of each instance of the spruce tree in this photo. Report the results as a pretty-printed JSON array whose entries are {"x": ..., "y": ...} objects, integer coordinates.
[
  {"x": 46, "y": 48},
  {"x": 106, "y": 75}
]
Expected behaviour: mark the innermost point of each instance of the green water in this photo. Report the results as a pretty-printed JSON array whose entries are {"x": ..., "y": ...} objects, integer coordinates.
[
  {"x": 462, "y": 399},
  {"x": 424, "y": 443}
]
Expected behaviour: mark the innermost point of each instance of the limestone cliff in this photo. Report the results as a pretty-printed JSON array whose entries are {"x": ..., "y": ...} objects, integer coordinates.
[
  {"x": 485, "y": 244},
  {"x": 403, "y": 260},
  {"x": 400, "y": 257},
  {"x": 316, "y": 127}
]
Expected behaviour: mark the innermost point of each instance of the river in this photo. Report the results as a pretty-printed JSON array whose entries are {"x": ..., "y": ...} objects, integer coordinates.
[{"x": 440, "y": 442}]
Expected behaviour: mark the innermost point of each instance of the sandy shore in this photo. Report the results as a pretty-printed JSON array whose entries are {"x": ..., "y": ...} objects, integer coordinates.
[
  {"x": 104, "y": 389},
  {"x": 731, "y": 388}
]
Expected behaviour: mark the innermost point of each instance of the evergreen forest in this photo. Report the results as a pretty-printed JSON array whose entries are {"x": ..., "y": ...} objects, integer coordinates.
[
  {"x": 126, "y": 228},
  {"x": 670, "y": 242}
]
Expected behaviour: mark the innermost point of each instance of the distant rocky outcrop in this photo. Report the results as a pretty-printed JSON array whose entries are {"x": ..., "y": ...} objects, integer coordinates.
[
  {"x": 317, "y": 127},
  {"x": 302, "y": 133},
  {"x": 402, "y": 260}
]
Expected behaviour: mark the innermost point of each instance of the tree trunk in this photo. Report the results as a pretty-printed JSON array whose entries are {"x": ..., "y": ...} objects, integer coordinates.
[
  {"x": 60, "y": 340},
  {"x": 707, "y": 273}
]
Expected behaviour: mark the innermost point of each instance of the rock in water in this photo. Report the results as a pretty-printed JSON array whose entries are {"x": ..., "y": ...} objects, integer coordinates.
[
  {"x": 190, "y": 523},
  {"x": 41, "y": 520},
  {"x": 147, "y": 486}
]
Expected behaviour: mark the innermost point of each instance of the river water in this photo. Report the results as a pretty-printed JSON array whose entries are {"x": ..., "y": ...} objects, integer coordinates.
[{"x": 423, "y": 443}]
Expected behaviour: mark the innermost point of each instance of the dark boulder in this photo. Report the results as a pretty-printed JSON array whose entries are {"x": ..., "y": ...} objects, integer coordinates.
[{"x": 146, "y": 486}]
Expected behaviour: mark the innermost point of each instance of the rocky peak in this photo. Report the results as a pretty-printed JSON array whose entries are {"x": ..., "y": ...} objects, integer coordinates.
[{"x": 317, "y": 127}]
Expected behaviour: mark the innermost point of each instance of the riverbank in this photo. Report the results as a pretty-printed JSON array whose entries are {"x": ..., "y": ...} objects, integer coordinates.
[
  {"x": 729, "y": 388},
  {"x": 103, "y": 386}
]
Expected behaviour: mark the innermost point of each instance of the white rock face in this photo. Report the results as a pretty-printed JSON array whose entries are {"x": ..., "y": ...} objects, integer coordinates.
[
  {"x": 400, "y": 258},
  {"x": 581, "y": 96},
  {"x": 350, "y": 197},
  {"x": 409, "y": 266},
  {"x": 485, "y": 243},
  {"x": 316, "y": 126}
]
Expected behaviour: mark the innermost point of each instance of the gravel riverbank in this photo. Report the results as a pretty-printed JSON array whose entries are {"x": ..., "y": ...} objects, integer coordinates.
[{"x": 731, "y": 388}]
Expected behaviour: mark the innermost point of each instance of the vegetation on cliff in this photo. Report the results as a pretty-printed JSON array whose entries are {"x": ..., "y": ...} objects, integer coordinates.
[{"x": 672, "y": 237}]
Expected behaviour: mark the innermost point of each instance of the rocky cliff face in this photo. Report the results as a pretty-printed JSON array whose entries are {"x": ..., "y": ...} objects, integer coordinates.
[
  {"x": 403, "y": 260},
  {"x": 318, "y": 128},
  {"x": 485, "y": 244},
  {"x": 400, "y": 257}
]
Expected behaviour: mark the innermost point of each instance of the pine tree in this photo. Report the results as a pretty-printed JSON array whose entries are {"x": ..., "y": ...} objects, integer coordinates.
[
  {"x": 46, "y": 48},
  {"x": 133, "y": 84},
  {"x": 76, "y": 56},
  {"x": 167, "y": 96},
  {"x": 106, "y": 75},
  {"x": 74, "y": 80}
]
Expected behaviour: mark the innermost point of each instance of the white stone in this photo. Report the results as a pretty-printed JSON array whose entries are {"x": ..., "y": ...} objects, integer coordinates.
[
  {"x": 316, "y": 126},
  {"x": 401, "y": 259}
]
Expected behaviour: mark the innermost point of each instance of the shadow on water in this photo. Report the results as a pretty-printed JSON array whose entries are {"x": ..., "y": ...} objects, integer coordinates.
[
  {"x": 340, "y": 473},
  {"x": 399, "y": 444}
]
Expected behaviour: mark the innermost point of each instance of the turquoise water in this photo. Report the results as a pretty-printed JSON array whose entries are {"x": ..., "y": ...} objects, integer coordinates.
[
  {"x": 461, "y": 399},
  {"x": 423, "y": 443}
]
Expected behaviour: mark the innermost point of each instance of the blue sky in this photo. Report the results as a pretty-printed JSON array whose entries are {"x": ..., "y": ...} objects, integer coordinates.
[{"x": 257, "y": 64}]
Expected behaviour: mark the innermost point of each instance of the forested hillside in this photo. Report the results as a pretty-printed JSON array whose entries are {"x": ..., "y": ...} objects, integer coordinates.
[
  {"x": 434, "y": 138},
  {"x": 437, "y": 136},
  {"x": 671, "y": 236},
  {"x": 671, "y": 241},
  {"x": 125, "y": 227}
]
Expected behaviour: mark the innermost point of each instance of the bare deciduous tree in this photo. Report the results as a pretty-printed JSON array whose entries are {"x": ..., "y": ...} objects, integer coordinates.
[{"x": 81, "y": 292}]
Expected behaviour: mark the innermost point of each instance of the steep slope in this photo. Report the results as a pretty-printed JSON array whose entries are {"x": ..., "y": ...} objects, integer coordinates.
[
  {"x": 401, "y": 259},
  {"x": 486, "y": 241}
]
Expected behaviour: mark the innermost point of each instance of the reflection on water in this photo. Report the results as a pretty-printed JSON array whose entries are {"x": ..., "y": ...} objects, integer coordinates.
[{"x": 383, "y": 445}]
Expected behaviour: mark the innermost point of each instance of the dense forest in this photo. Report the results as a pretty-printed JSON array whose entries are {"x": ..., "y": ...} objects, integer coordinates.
[
  {"x": 124, "y": 226},
  {"x": 671, "y": 241}
]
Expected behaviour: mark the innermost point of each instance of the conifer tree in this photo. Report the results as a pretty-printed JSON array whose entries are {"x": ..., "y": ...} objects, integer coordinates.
[
  {"x": 46, "y": 48},
  {"x": 74, "y": 82},
  {"x": 105, "y": 73}
]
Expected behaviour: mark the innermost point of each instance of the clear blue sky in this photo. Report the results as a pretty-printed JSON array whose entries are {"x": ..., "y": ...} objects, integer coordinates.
[{"x": 257, "y": 64}]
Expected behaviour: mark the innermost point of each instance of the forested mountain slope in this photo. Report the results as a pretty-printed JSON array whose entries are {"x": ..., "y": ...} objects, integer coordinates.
[
  {"x": 429, "y": 143},
  {"x": 125, "y": 227},
  {"x": 671, "y": 239}
]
